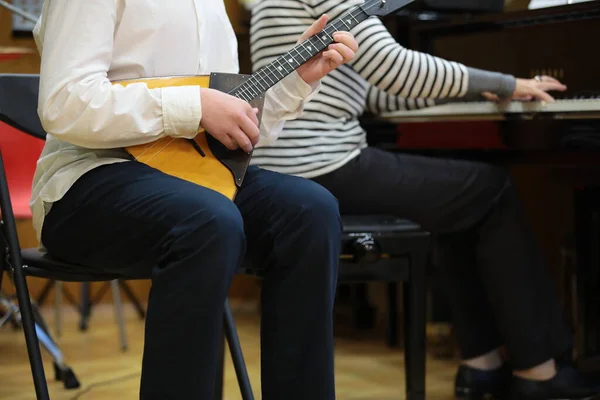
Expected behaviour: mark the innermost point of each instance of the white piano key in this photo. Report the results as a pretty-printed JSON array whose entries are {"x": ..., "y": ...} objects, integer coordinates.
[{"x": 561, "y": 109}]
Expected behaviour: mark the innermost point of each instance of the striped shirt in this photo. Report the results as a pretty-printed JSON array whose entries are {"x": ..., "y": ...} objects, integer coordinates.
[{"x": 384, "y": 76}]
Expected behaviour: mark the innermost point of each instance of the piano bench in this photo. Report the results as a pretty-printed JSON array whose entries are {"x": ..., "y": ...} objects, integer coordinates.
[{"x": 381, "y": 248}]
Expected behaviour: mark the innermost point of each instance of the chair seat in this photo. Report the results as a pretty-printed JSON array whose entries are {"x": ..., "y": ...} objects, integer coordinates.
[
  {"x": 378, "y": 224},
  {"x": 388, "y": 229},
  {"x": 41, "y": 265}
]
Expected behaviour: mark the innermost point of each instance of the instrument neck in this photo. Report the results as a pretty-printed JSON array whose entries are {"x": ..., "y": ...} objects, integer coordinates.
[{"x": 269, "y": 75}]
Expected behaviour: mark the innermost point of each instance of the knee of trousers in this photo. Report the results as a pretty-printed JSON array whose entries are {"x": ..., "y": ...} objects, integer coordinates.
[
  {"x": 491, "y": 179},
  {"x": 495, "y": 183},
  {"x": 491, "y": 184},
  {"x": 482, "y": 190},
  {"x": 312, "y": 236},
  {"x": 215, "y": 233},
  {"x": 319, "y": 213}
]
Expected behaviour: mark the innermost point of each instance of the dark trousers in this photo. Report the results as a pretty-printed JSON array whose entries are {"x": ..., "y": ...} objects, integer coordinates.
[
  {"x": 133, "y": 219},
  {"x": 497, "y": 285}
]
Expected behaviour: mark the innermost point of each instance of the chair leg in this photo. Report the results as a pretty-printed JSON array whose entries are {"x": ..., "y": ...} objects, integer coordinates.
[
  {"x": 31, "y": 339},
  {"x": 118, "y": 306},
  {"x": 11, "y": 311},
  {"x": 14, "y": 250},
  {"x": 62, "y": 371},
  {"x": 415, "y": 328},
  {"x": 392, "y": 314},
  {"x": 58, "y": 291},
  {"x": 220, "y": 369},
  {"x": 45, "y": 291},
  {"x": 134, "y": 300},
  {"x": 236, "y": 354},
  {"x": 86, "y": 307}
]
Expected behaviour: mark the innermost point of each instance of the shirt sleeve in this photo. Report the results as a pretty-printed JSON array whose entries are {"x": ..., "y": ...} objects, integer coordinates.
[
  {"x": 283, "y": 102},
  {"x": 77, "y": 102},
  {"x": 392, "y": 68},
  {"x": 379, "y": 101}
]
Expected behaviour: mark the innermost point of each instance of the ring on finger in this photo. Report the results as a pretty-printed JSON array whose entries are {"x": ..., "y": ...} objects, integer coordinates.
[{"x": 539, "y": 78}]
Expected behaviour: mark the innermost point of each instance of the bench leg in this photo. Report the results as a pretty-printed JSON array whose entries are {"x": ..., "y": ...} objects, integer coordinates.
[
  {"x": 392, "y": 314},
  {"x": 414, "y": 328},
  {"x": 364, "y": 312}
]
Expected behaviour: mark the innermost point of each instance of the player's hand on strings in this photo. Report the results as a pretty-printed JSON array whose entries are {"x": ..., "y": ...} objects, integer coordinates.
[{"x": 230, "y": 120}]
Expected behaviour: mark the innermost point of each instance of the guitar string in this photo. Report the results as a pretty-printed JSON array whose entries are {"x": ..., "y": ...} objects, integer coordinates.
[
  {"x": 153, "y": 144},
  {"x": 160, "y": 151}
]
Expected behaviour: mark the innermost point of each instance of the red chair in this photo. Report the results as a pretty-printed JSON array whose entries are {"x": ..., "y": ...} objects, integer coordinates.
[{"x": 20, "y": 152}]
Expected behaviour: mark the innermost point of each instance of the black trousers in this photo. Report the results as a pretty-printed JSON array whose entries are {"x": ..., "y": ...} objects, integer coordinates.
[
  {"x": 133, "y": 219},
  {"x": 498, "y": 287}
]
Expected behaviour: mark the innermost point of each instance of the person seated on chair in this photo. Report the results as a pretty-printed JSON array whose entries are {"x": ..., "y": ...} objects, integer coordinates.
[
  {"x": 93, "y": 206},
  {"x": 499, "y": 287}
]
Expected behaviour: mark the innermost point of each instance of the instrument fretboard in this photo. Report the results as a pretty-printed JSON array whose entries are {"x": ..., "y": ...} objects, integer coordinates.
[{"x": 282, "y": 66}]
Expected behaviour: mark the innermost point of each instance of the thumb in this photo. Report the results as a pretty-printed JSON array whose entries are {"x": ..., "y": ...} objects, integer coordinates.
[{"x": 315, "y": 28}]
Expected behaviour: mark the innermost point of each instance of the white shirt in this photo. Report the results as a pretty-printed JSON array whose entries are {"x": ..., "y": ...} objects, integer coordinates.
[{"x": 85, "y": 44}]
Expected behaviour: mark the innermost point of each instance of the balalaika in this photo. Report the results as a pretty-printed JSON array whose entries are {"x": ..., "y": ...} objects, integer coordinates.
[{"x": 205, "y": 161}]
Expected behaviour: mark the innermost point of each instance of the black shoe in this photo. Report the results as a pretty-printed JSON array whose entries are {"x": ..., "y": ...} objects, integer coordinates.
[
  {"x": 567, "y": 384},
  {"x": 476, "y": 384}
]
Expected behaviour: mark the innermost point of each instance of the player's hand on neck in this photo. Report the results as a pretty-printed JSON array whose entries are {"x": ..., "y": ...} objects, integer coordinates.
[{"x": 336, "y": 54}]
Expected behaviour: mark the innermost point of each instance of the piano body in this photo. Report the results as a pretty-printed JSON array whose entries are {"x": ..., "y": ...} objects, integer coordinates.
[{"x": 564, "y": 135}]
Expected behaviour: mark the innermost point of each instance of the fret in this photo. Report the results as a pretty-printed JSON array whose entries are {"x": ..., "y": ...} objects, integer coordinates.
[
  {"x": 317, "y": 44},
  {"x": 303, "y": 53},
  {"x": 348, "y": 25},
  {"x": 300, "y": 55},
  {"x": 261, "y": 87},
  {"x": 276, "y": 70},
  {"x": 250, "y": 89},
  {"x": 277, "y": 67},
  {"x": 268, "y": 76},
  {"x": 357, "y": 21},
  {"x": 325, "y": 36},
  {"x": 262, "y": 81},
  {"x": 338, "y": 26},
  {"x": 290, "y": 59}
]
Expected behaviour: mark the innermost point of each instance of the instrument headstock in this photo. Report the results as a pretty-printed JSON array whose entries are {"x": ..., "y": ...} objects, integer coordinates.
[{"x": 384, "y": 7}]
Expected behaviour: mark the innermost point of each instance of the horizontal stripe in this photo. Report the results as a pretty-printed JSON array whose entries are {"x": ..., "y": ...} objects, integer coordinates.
[{"x": 384, "y": 76}]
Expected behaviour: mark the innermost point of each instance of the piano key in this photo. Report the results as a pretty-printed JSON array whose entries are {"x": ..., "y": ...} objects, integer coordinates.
[{"x": 465, "y": 111}]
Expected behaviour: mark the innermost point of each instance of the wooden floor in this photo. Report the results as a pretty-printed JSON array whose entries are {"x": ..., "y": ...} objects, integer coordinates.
[{"x": 365, "y": 367}]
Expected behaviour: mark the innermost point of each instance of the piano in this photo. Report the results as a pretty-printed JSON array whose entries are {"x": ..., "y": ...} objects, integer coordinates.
[
  {"x": 556, "y": 41},
  {"x": 559, "y": 41},
  {"x": 574, "y": 109}
]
